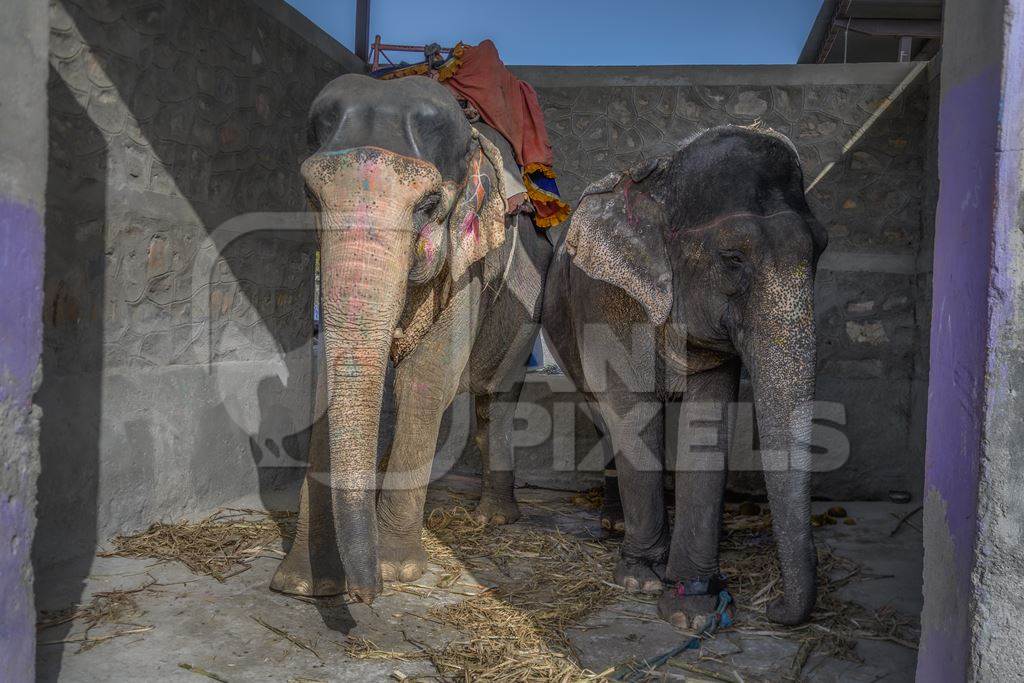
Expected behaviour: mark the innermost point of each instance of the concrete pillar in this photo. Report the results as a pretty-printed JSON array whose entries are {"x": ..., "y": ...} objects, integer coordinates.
[
  {"x": 974, "y": 479},
  {"x": 23, "y": 130}
]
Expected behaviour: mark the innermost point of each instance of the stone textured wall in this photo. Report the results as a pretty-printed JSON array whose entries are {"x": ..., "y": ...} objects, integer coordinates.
[
  {"x": 22, "y": 187},
  {"x": 176, "y": 357},
  {"x": 870, "y": 289}
]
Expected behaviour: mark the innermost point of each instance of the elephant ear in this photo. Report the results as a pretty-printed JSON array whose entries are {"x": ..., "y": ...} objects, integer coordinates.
[
  {"x": 432, "y": 239},
  {"x": 617, "y": 236},
  {"x": 476, "y": 224}
]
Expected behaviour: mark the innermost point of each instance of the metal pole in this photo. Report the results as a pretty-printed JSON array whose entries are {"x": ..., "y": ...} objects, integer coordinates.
[
  {"x": 363, "y": 30},
  {"x": 376, "y": 54},
  {"x": 886, "y": 103},
  {"x": 905, "y": 43},
  {"x": 842, "y": 11}
]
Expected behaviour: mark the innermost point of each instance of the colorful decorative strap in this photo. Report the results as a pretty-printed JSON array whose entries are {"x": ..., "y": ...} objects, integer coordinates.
[
  {"x": 701, "y": 585},
  {"x": 539, "y": 180},
  {"x": 720, "y": 619}
]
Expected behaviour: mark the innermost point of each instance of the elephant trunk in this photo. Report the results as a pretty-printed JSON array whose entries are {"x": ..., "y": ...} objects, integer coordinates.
[
  {"x": 365, "y": 226},
  {"x": 780, "y": 354},
  {"x": 359, "y": 316}
]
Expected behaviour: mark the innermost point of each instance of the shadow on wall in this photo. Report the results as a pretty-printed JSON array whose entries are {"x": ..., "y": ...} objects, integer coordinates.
[
  {"x": 166, "y": 121},
  {"x": 71, "y": 392}
]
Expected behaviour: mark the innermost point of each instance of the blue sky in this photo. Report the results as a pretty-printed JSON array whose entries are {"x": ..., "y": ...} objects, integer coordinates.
[{"x": 588, "y": 32}]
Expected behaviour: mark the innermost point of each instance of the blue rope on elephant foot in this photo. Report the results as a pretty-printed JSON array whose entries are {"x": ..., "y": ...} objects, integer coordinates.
[{"x": 719, "y": 619}]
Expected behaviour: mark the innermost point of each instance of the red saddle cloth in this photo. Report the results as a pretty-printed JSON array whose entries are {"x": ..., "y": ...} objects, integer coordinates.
[{"x": 511, "y": 107}]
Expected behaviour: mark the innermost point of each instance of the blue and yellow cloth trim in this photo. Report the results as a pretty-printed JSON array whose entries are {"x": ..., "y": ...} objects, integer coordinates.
[{"x": 539, "y": 180}]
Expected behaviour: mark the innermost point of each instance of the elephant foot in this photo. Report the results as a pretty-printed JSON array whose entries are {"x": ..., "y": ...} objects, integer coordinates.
[
  {"x": 296, "y": 575},
  {"x": 781, "y": 613},
  {"x": 402, "y": 561},
  {"x": 690, "y": 613},
  {"x": 494, "y": 510},
  {"x": 613, "y": 521},
  {"x": 637, "y": 576}
]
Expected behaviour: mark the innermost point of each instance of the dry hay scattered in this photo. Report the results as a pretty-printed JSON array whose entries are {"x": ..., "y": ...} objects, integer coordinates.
[
  {"x": 545, "y": 582},
  {"x": 590, "y": 499},
  {"x": 518, "y": 629},
  {"x": 555, "y": 581},
  {"x": 749, "y": 560},
  {"x": 108, "y": 607},
  {"x": 227, "y": 540},
  {"x": 515, "y": 631}
]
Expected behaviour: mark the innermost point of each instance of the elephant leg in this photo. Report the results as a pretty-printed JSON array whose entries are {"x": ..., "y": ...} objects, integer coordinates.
[
  {"x": 495, "y": 414},
  {"x": 424, "y": 387},
  {"x": 635, "y": 423},
  {"x": 499, "y": 368},
  {"x": 612, "y": 519},
  {"x": 700, "y": 475},
  {"x": 312, "y": 566}
]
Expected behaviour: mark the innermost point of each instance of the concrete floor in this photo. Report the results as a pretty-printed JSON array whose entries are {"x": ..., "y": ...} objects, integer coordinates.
[{"x": 212, "y": 626}]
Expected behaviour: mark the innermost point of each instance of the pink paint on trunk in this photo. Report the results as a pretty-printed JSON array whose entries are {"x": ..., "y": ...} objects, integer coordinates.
[{"x": 366, "y": 197}]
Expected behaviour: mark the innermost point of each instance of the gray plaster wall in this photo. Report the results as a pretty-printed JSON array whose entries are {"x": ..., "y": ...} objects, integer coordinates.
[
  {"x": 877, "y": 202},
  {"x": 22, "y": 189},
  {"x": 177, "y": 364}
]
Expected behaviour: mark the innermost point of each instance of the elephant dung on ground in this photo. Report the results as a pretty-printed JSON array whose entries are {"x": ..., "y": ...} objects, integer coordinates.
[
  {"x": 672, "y": 275},
  {"x": 420, "y": 264}
]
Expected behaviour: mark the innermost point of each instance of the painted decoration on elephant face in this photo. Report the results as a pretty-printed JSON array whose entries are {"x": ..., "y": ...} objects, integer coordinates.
[
  {"x": 426, "y": 244},
  {"x": 479, "y": 186}
]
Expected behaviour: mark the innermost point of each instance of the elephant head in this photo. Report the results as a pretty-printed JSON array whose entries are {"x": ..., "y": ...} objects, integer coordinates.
[
  {"x": 405, "y": 193},
  {"x": 718, "y": 240}
]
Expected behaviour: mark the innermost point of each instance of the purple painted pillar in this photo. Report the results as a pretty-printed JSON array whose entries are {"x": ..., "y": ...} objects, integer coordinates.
[
  {"x": 23, "y": 129},
  {"x": 975, "y": 324},
  {"x": 21, "y": 280}
]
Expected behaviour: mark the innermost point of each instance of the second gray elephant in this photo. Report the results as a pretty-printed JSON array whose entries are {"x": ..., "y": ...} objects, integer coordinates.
[{"x": 672, "y": 275}]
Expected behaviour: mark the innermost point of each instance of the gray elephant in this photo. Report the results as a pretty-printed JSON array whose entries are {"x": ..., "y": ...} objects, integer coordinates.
[
  {"x": 672, "y": 275},
  {"x": 420, "y": 263}
]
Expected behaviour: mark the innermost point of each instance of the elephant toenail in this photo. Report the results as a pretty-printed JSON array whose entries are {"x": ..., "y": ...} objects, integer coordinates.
[
  {"x": 410, "y": 572},
  {"x": 652, "y": 587},
  {"x": 620, "y": 526},
  {"x": 387, "y": 571},
  {"x": 630, "y": 584},
  {"x": 679, "y": 620},
  {"x": 498, "y": 519},
  {"x": 606, "y": 523}
]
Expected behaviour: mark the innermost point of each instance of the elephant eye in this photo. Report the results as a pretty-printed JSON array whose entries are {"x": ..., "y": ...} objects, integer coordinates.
[
  {"x": 732, "y": 258},
  {"x": 429, "y": 204}
]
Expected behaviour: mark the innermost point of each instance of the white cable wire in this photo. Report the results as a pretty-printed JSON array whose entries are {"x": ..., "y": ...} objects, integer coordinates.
[
  {"x": 886, "y": 103},
  {"x": 846, "y": 38}
]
